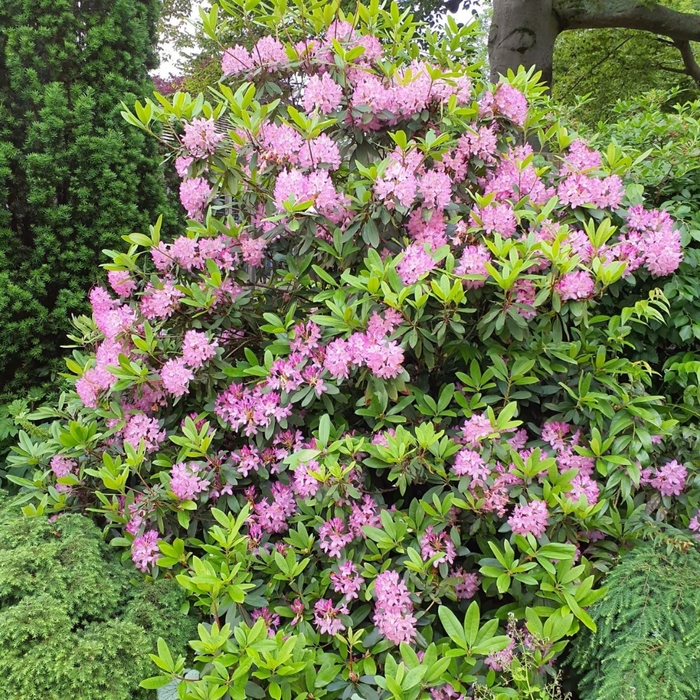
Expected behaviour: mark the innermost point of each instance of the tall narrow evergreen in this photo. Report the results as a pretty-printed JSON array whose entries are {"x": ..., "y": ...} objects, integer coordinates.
[{"x": 74, "y": 176}]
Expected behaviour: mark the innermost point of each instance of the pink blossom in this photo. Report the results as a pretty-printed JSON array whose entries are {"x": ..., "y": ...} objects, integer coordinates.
[
  {"x": 327, "y": 616},
  {"x": 470, "y": 463},
  {"x": 247, "y": 459},
  {"x": 269, "y": 53},
  {"x": 393, "y": 610},
  {"x": 476, "y": 429},
  {"x": 185, "y": 481},
  {"x": 530, "y": 518},
  {"x": 144, "y": 550},
  {"x": 272, "y": 514},
  {"x": 322, "y": 92},
  {"x": 160, "y": 302},
  {"x": 511, "y": 103},
  {"x": 468, "y": 585},
  {"x": 197, "y": 349},
  {"x": 347, "y": 581},
  {"x": 364, "y": 514},
  {"x": 176, "y": 376},
  {"x": 322, "y": 150},
  {"x": 473, "y": 262},
  {"x": 194, "y": 195},
  {"x": 501, "y": 660},
  {"x": 271, "y": 619},
  {"x": 669, "y": 480},
  {"x": 434, "y": 543},
  {"x": 575, "y": 285},
  {"x": 121, "y": 282},
  {"x": 182, "y": 165},
  {"x": 304, "y": 483},
  {"x": 236, "y": 60},
  {"x": 253, "y": 250},
  {"x": 201, "y": 137},
  {"x": 334, "y": 537},
  {"x": 414, "y": 264},
  {"x": 496, "y": 218},
  {"x": 250, "y": 409},
  {"x": 141, "y": 427}
]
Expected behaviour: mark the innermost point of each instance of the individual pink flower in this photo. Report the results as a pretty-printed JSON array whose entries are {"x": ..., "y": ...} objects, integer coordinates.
[
  {"x": 194, "y": 195},
  {"x": 327, "y": 616},
  {"x": 575, "y": 285},
  {"x": 144, "y": 550},
  {"x": 176, "y": 376},
  {"x": 347, "y": 580},
  {"x": 185, "y": 481},
  {"x": 530, "y": 518},
  {"x": 322, "y": 92},
  {"x": 197, "y": 349},
  {"x": 415, "y": 263}
]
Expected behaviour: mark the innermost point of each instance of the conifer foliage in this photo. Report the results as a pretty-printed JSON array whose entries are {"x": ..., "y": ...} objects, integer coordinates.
[
  {"x": 73, "y": 176},
  {"x": 647, "y": 644}
]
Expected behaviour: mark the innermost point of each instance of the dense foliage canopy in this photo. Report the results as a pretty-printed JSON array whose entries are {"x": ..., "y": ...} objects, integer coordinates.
[
  {"x": 73, "y": 176},
  {"x": 388, "y": 409}
]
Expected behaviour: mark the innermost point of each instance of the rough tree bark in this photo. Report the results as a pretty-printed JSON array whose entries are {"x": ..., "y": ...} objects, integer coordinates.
[{"x": 523, "y": 32}]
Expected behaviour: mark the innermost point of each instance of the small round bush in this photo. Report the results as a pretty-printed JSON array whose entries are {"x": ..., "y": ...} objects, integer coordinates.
[
  {"x": 647, "y": 643},
  {"x": 71, "y": 623}
]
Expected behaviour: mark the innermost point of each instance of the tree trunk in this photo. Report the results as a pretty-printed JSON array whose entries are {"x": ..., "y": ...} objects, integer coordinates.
[{"x": 523, "y": 32}]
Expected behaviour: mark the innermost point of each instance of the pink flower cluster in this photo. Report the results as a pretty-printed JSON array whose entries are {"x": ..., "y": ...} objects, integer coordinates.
[
  {"x": 393, "y": 609},
  {"x": 327, "y": 616},
  {"x": 668, "y": 480},
  {"x": 61, "y": 467},
  {"x": 529, "y": 519},
  {"x": 250, "y": 409},
  {"x": 347, "y": 580},
  {"x": 372, "y": 349},
  {"x": 144, "y": 550},
  {"x": 194, "y": 194},
  {"x": 201, "y": 137},
  {"x": 415, "y": 263},
  {"x": 197, "y": 349},
  {"x": 334, "y": 537},
  {"x": 434, "y": 543},
  {"x": 186, "y": 482}
]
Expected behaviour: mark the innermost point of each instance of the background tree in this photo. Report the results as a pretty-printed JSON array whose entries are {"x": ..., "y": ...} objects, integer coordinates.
[
  {"x": 613, "y": 64},
  {"x": 74, "y": 176},
  {"x": 523, "y": 32}
]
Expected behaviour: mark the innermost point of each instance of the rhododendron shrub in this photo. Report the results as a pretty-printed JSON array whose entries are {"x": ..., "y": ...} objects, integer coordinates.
[{"x": 375, "y": 359}]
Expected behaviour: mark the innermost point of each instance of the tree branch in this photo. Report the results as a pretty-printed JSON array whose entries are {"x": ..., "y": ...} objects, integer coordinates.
[
  {"x": 680, "y": 27},
  {"x": 628, "y": 14},
  {"x": 691, "y": 66}
]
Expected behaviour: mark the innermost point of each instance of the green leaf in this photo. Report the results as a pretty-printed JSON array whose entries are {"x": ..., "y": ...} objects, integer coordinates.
[{"x": 452, "y": 626}]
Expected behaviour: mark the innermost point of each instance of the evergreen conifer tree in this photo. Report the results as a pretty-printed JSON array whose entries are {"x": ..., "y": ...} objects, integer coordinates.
[{"x": 74, "y": 176}]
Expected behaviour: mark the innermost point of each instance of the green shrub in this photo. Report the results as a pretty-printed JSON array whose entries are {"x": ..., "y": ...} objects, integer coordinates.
[
  {"x": 73, "y": 176},
  {"x": 377, "y": 398},
  {"x": 72, "y": 625},
  {"x": 647, "y": 645}
]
